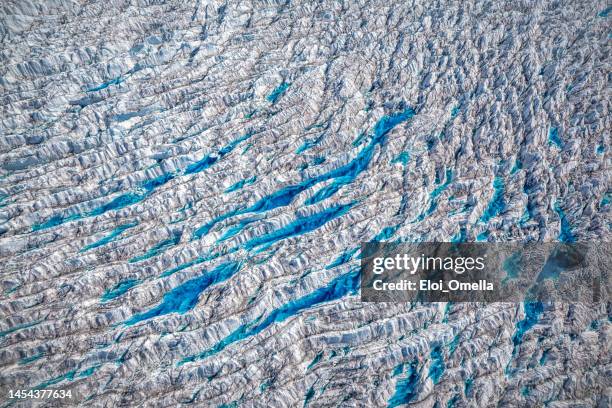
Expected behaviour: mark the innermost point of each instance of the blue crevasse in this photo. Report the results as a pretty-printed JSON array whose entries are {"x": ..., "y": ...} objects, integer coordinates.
[
  {"x": 433, "y": 197},
  {"x": 497, "y": 203},
  {"x": 110, "y": 237},
  {"x": 67, "y": 376},
  {"x": 265, "y": 385},
  {"x": 309, "y": 395},
  {"x": 88, "y": 371},
  {"x": 104, "y": 85},
  {"x": 386, "y": 233},
  {"x": 318, "y": 160},
  {"x": 232, "y": 231},
  {"x": 119, "y": 289},
  {"x": 452, "y": 401},
  {"x": 54, "y": 221},
  {"x": 212, "y": 158},
  {"x": 436, "y": 369},
  {"x": 118, "y": 203},
  {"x": 122, "y": 117},
  {"x": 468, "y": 385},
  {"x": 329, "y": 190},
  {"x": 339, "y": 287},
  {"x": 397, "y": 370},
  {"x": 300, "y": 226},
  {"x": 346, "y": 173},
  {"x": 360, "y": 138},
  {"x": 406, "y": 389},
  {"x": 533, "y": 310},
  {"x": 447, "y": 310},
  {"x": 277, "y": 92},
  {"x": 455, "y": 111},
  {"x": 159, "y": 248},
  {"x": 240, "y": 184},
  {"x": 554, "y": 138},
  {"x": 184, "y": 297},
  {"x": 128, "y": 199},
  {"x": 309, "y": 143},
  {"x": 205, "y": 229},
  {"x": 343, "y": 258},
  {"x": 18, "y": 327},
  {"x": 235, "y": 229},
  {"x": 483, "y": 236},
  {"x": 461, "y": 236},
  {"x": 183, "y": 266},
  {"x": 201, "y": 164},
  {"x": 280, "y": 198},
  {"x": 604, "y": 13},
  {"x": 316, "y": 360},
  {"x": 518, "y": 165},
  {"x": 31, "y": 359},
  {"x": 232, "y": 404},
  {"x": 153, "y": 183},
  {"x": 232, "y": 145},
  {"x": 403, "y": 158},
  {"x": 565, "y": 233}
]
